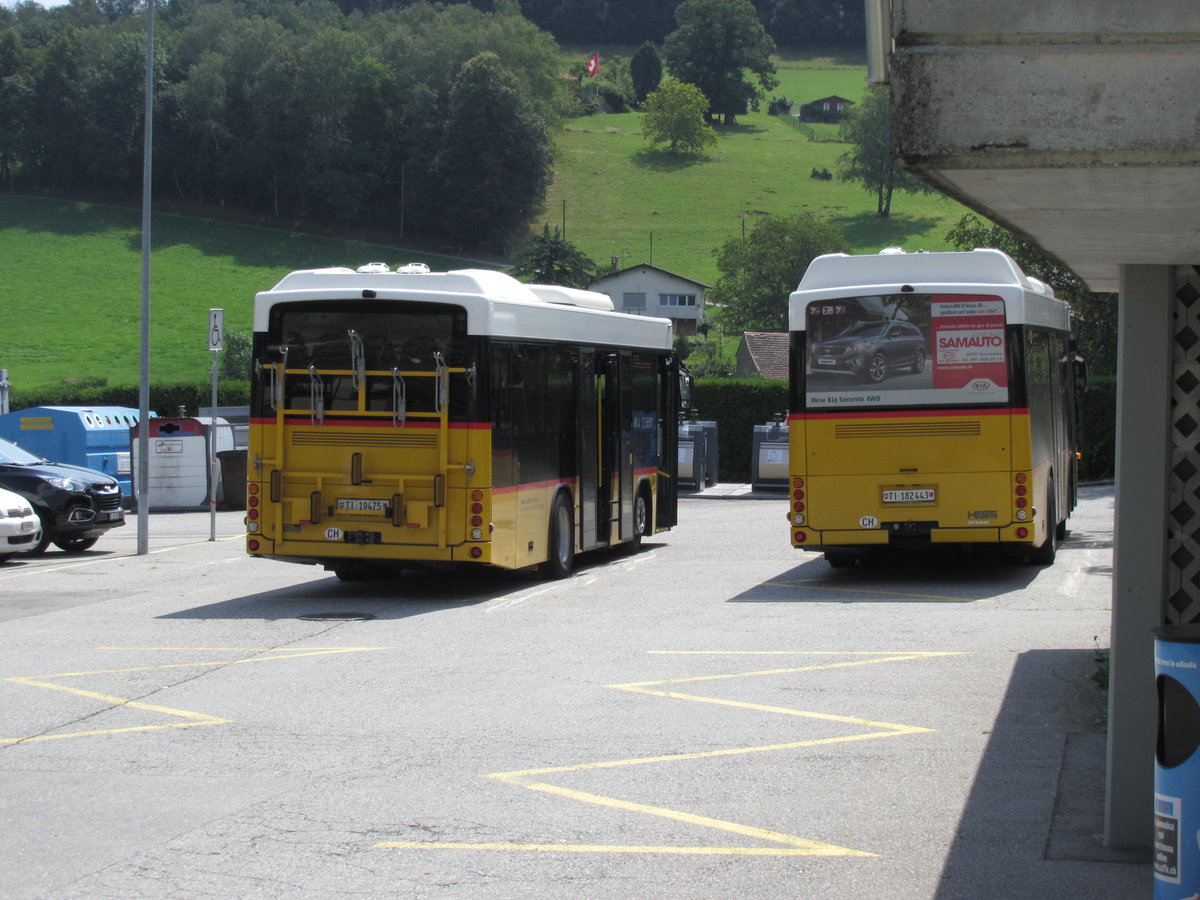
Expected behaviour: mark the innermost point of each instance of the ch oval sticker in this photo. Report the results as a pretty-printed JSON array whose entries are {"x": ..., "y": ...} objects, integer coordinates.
[
  {"x": 868, "y": 522},
  {"x": 333, "y": 534}
]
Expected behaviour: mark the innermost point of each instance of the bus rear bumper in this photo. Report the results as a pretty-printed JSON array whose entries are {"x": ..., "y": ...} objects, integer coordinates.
[{"x": 880, "y": 539}]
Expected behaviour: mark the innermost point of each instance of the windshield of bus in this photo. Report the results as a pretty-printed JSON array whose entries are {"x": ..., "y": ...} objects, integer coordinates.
[{"x": 905, "y": 350}]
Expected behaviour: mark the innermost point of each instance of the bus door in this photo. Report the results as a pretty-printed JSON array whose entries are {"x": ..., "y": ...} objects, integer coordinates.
[
  {"x": 669, "y": 403},
  {"x": 589, "y": 385},
  {"x": 616, "y": 445}
]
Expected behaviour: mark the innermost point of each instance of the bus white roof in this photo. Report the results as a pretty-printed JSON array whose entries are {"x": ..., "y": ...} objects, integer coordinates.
[
  {"x": 497, "y": 304},
  {"x": 893, "y": 271}
]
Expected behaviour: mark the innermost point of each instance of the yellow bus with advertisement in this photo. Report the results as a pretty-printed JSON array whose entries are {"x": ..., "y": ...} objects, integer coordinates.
[
  {"x": 932, "y": 403},
  {"x": 405, "y": 417}
]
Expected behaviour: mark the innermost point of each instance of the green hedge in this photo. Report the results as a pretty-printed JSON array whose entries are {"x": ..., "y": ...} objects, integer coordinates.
[
  {"x": 165, "y": 399},
  {"x": 1097, "y": 431},
  {"x": 738, "y": 405}
]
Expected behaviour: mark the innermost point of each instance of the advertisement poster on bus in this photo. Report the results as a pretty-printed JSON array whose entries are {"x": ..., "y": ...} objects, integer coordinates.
[{"x": 906, "y": 350}]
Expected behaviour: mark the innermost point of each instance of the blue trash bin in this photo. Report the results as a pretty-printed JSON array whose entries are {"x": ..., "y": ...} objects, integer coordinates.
[{"x": 1177, "y": 763}]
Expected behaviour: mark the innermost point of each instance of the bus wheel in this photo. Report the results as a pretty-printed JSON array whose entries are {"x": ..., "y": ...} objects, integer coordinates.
[
  {"x": 641, "y": 518},
  {"x": 877, "y": 367},
  {"x": 561, "y": 550},
  {"x": 841, "y": 560},
  {"x": 1044, "y": 555}
]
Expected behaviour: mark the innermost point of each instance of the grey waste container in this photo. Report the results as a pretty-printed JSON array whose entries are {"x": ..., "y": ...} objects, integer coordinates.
[
  {"x": 769, "y": 458},
  {"x": 693, "y": 454},
  {"x": 233, "y": 477},
  {"x": 1177, "y": 763},
  {"x": 712, "y": 465}
]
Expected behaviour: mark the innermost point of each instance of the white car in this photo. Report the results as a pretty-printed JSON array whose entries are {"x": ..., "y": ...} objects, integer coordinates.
[{"x": 20, "y": 527}]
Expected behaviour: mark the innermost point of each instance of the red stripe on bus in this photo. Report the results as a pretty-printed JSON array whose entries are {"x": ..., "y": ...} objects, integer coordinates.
[
  {"x": 909, "y": 414},
  {"x": 536, "y": 485},
  {"x": 366, "y": 423}
]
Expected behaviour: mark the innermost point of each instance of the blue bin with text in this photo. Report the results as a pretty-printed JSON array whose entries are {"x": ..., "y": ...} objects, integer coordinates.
[{"x": 1177, "y": 763}]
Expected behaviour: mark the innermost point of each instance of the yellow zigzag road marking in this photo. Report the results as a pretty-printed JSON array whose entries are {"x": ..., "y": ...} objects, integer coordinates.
[
  {"x": 191, "y": 719},
  {"x": 794, "y": 846}
]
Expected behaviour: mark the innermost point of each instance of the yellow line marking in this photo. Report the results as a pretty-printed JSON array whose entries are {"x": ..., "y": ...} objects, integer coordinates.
[
  {"x": 795, "y": 846},
  {"x": 606, "y": 848},
  {"x": 191, "y": 719}
]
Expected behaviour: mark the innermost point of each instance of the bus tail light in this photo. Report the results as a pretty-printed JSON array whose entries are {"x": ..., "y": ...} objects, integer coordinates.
[
  {"x": 797, "y": 482},
  {"x": 799, "y": 537},
  {"x": 1022, "y": 532},
  {"x": 252, "y": 545},
  {"x": 476, "y": 552}
]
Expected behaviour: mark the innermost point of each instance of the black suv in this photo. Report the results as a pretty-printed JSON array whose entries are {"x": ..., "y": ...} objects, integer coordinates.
[
  {"x": 872, "y": 349},
  {"x": 76, "y": 505}
]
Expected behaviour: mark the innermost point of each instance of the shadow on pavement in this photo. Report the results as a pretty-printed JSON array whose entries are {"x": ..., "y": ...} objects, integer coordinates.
[{"x": 1035, "y": 814}]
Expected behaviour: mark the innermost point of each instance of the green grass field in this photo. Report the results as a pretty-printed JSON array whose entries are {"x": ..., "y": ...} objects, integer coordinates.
[{"x": 71, "y": 272}]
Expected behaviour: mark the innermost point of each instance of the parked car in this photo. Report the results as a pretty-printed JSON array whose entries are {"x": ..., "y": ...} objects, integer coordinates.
[
  {"x": 20, "y": 528},
  {"x": 75, "y": 505},
  {"x": 872, "y": 349}
]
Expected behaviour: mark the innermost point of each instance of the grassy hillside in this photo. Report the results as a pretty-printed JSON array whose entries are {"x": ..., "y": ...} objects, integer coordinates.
[
  {"x": 71, "y": 272},
  {"x": 72, "y": 287},
  {"x": 625, "y": 199}
]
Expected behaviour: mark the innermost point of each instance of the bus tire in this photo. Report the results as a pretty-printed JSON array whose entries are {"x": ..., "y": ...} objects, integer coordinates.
[
  {"x": 1044, "y": 555},
  {"x": 560, "y": 551},
  {"x": 841, "y": 560},
  {"x": 641, "y": 518}
]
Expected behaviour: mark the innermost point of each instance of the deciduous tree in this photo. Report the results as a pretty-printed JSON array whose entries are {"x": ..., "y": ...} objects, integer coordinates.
[
  {"x": 645, "y": 69},
  {"x": 496, "y": 161},
  {"x": 716, "y": 44},
  {"x": 549, "y": 258},
  {"x": 675, "y": 115},
  {"x": 867, "y": 128},
  {"x": 759, "y": 271}
]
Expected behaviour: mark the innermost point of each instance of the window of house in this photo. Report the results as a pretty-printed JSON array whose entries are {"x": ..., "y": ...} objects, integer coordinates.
[
  {"x": 676, "y": 299},
  {"x": 633, "y": 300}
]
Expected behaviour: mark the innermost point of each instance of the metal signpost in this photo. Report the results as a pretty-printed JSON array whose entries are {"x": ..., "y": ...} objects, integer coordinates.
[{"x": 216, "y": 340}]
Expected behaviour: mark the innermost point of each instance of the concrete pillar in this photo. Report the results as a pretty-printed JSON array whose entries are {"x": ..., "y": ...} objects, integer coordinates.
[{"x": 1140, "y": 547}]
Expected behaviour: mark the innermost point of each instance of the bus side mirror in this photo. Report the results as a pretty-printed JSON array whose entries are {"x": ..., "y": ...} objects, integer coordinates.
[
  {"x": 685, "y": 390},
  {"x": 1079, "y": 372}
]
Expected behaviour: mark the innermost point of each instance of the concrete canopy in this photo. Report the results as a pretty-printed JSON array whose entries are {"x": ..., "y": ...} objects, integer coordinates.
[{"x": 1075, "y": 124}]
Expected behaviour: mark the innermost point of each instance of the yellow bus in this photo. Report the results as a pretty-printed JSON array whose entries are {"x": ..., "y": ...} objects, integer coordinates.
[
  {"x": 932, "y": 403},
  {"x": 402, "y": 418}
]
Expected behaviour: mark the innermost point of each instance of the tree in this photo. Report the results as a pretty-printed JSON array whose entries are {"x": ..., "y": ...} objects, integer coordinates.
[
  {"x": 759, "y": 271},
  {"x": 675, "y": 115},
  {"x": 552, "y": 259},
  {"x": 495, "y": 160},
  {"x": 716, "y": 44},
  {"x": 868, "y": 128},
  {"x": 1093, "y": 316},
  {"x": 645, "y": 68}
]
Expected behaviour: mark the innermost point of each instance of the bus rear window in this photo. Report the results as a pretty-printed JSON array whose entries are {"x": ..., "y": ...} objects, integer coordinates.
[{"x": 905, "y": 350}]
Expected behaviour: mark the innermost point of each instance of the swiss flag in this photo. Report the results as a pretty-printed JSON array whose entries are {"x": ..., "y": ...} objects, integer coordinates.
[{"x": 593, "y": 66}]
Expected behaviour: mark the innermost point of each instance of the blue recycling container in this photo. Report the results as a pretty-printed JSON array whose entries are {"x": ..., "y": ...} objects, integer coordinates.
[
  {"x": 1177, "y": 763},
  {"x": 96, "y": 437}
]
